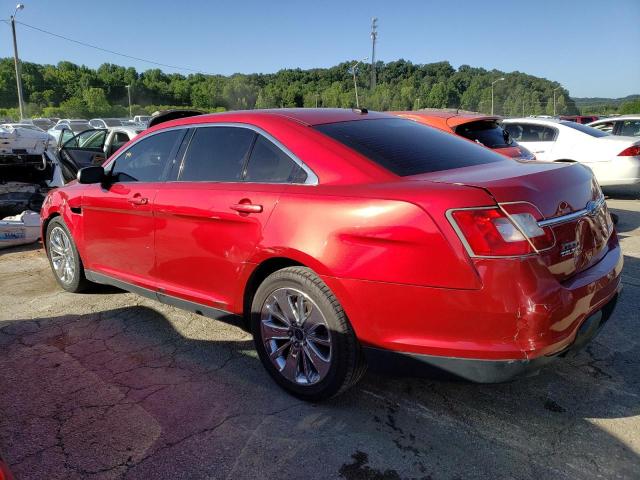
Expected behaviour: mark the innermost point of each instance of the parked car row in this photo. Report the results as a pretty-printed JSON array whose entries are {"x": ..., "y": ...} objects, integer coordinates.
[{"x": 351, "y": 238}]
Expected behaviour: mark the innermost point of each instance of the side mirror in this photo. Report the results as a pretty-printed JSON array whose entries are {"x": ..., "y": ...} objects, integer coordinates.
[{"x": 91, "y": 175}]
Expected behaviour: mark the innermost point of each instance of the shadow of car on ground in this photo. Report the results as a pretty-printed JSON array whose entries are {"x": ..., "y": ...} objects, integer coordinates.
[{"x": 131, "y": 393}]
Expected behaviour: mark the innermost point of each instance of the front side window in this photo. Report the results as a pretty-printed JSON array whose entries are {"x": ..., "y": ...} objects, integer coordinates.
[
  {"x": 146, "y": 160},
  {"x": 269, "y": 164},
  {"x": 217, "y": 154},
  {"x": 630, "y": 128}
]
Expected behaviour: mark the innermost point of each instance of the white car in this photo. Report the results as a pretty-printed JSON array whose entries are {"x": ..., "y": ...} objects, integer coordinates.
[
  {"x": 75, "y": 125},
  {"x": 624, "y": 125},
  {"x": 615, "y": 160},
  {"x": 105, "y": 122}
]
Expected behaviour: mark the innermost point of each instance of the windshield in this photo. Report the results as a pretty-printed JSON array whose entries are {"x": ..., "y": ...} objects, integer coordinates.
[
  {"x": 486, "y": 132},
  {"x": 594, "y": 132},
  {"x": 405, "y": 147}
]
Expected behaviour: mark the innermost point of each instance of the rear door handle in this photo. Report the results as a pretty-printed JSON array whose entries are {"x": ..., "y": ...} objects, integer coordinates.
[
  {"x": 138, "y": 199},
  {"x": 246, "y": 208}
]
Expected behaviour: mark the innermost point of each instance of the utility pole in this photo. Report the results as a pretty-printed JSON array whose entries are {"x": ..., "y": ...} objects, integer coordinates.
[
  {"x": 492, "y": 84},
  {"x": 374, "y": 37},
  {"x": 354, "y": 70},
  {"x": 16, "y": 60},
  {"x": 554, "y": 100},
  {"x": 129, "y": 95}
]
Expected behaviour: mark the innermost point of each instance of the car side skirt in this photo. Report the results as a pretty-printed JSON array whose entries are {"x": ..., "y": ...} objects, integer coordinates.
[{"x": 193, "y": 307}]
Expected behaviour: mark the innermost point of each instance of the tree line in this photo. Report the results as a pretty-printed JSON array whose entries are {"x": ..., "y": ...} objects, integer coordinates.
[{"x": 70, "y": 90}]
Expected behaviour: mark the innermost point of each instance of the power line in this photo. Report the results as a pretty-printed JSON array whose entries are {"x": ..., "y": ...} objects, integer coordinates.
[{"x": 84, "y": 44}]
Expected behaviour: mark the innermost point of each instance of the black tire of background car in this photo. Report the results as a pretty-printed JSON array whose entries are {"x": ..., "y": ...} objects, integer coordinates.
[
  {"x": 79, "y": 282},
  {"x": 348, "y": 364}
]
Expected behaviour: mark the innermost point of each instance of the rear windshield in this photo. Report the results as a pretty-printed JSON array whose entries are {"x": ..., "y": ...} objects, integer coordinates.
[
  {"x": 405, "y": 147},
  {"x": 594, "y": 132},
  {"x": 486, "y": 132}
]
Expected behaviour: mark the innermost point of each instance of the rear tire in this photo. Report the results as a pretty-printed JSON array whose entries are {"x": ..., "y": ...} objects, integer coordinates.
[
  {"x": 64, "y": 257},
  {"x": 303, "y": 336}
]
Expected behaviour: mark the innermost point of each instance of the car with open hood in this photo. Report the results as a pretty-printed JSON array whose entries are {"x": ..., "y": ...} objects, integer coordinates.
[{"x": 344, "y": 239}]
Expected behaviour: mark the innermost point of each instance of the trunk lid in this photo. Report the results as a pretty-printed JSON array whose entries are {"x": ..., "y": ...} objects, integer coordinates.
[{"x": 568, "y": 197}]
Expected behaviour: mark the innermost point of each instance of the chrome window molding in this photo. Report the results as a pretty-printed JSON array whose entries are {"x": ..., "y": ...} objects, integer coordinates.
[{"x": 312, "y": 178}]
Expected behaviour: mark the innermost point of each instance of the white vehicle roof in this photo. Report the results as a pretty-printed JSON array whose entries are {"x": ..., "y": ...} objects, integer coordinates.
[
  {"x": 615, "y": 119},
  {"x": 129, "y": 129}
]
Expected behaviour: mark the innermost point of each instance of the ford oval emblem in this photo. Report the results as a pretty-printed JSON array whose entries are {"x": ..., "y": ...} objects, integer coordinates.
[{"x": 592, "y": 207}]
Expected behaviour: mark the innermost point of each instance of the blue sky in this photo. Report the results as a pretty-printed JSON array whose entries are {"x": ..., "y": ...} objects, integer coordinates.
[{"x": 590, "y": 47}]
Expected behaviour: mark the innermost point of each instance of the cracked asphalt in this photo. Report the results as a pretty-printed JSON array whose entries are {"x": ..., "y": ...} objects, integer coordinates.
[{"x": 109, "y": 385}]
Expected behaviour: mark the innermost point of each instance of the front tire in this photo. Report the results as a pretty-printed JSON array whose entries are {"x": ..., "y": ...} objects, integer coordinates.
[
  {"x": 303, "y": 336},
  {"x": 64, "y": 257}
]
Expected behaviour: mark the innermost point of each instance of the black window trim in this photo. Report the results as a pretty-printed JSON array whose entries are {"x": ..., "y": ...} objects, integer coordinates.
[{"x": 311, "y": 180}]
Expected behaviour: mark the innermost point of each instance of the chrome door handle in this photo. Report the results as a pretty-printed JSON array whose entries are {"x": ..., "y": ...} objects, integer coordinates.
[
  {"x": 138, "y": 200},
  {"x": 246, "y": 208}
]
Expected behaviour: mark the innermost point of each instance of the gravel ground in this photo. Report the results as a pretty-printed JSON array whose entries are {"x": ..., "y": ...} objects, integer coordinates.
[{"x": 110, "y": 385}]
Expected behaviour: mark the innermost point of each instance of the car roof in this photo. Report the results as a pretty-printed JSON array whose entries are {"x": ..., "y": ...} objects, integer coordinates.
[
  {"x": 126, "y": 128},
  {"x": 305, "y": 116},
  {"x": 619, "y": 117},
  {"x": 541, "y": 121},
  {"x": 450, "y": 118}
]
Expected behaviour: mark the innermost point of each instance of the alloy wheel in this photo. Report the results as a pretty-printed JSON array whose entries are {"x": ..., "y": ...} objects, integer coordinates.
[
  {"x": 296, "y": 336},
  {"x": 61, "y": 252}
]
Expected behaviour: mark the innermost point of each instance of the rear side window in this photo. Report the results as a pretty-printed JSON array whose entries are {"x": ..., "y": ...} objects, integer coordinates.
[
  {"x": 146, "y": 160},
  {"x": 605, "y": 127},
  {"x": 407, "y": 148},
  {"x": 594, "y": 132},
  {"x": 488, "y": 133},
  {"x": 269, "y": 164},
  {"x": 217, "y": 154},
  {"x": 528, "y": 132}
]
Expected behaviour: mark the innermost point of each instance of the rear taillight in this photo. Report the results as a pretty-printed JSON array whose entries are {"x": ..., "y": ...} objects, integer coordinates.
[
  {"x": 505, "y": 231},
  {"x": 633, "y": 151}
]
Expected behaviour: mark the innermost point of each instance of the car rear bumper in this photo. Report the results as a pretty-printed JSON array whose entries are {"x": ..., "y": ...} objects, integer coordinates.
[
  {"x": 482, "y": 370},
  {"x": 521, "y": 313},
  {"x": 620, "y": 172}
]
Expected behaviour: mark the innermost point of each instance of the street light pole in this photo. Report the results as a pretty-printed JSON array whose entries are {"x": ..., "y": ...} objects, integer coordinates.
[
  {"x": 354, "y": 69},
  {"x": 129, "y": 95},
  {"x": 554, "y": 99},
  {"x": 16, "y": 60},
  {"x": 492, "y": 84},
  {"x": 374, "y": 37}
]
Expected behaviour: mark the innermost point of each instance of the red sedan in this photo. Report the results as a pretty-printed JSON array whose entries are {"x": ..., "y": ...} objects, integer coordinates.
[{"x": 346, "y": 238}]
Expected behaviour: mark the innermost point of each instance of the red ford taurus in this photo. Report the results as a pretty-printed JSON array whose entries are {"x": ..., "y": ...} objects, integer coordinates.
[{"x": 346, "y": 238}]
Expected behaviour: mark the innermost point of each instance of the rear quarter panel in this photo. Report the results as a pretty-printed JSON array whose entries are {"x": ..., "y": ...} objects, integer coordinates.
[{"x": 374, "y": 239}]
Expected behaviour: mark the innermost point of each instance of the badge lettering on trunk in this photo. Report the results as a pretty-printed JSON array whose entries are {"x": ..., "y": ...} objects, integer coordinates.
[{"x": 569, "y": 248}]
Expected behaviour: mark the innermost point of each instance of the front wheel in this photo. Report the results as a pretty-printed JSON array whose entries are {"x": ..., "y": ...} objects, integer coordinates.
[
  {"x": 64, "y": 258},
  {"x": 303, "y": 336}
]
